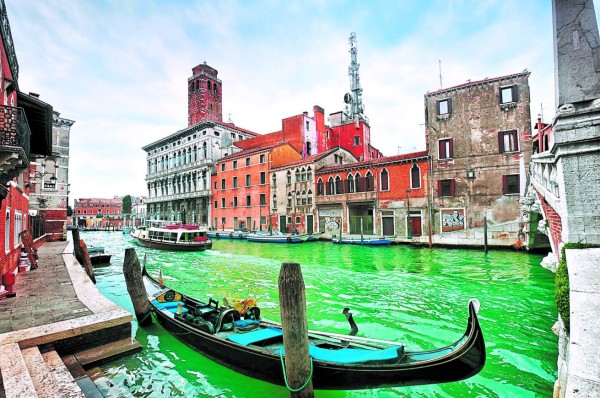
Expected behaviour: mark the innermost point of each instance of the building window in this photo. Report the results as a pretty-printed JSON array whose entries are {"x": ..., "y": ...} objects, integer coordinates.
[
  {"x": 307, "y": 125},
  {"x": 309, "y": 174},
  {"x": 330, "y": 186},
  {"x": 274, "y": 179},
  {"x": 351, "y": 186},
  {"x": 320, "y": 187},
  {"x": 222, "y": 183},
  {"x": 385, "y": 180},
  {"x": 510, "y": 184},
  {"x": 7, "y": 231},
  {"x": 298, "y": 220},
  {"x": 508, "y": 141},
  {"x": 298, "y": 179},
  {"x": 215, "y": 185},
  {"x": 446, "y": 188},
  {"x": 247, "y": 161},
  {"x": 508, "y": 94},
  {"x": 415, "y": 176},
  {"x": 310, "y": 197},
  {"x": 446, "y": 150},
  {"x": 289, "y": 200},
  {"x": 235, "y": 164},
  {"x": 235, "y": 202},
  {"x": 356, "y": 140},
  {"x": 297, "y": 198},
  {"x": 288, "y": 175},
  {"x": 274, "y": 202},
  {"x": 444, "y": 107},
  {"x": 263, "y": 177},
  {"x": 216, "y": 204},
  {"x": 248, "y": 200},
  {"x": 369, "y": 182},
  {"x": 308, "y": 149},
  {"x": 262, "y": 158},
  {"x": 263, "y": 199},
  {"x": 248, "y": 179},
  {"x": 235, "y": 182},
  {"x": 223, "y": 222},
  {"x": 338, "y": 185},
  {"x": 223, "y": 202},
  {"x": 222, "y": 166}
]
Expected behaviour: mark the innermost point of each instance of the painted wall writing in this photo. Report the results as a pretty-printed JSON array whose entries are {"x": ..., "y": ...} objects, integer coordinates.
[{"x": 452, "y": 219}]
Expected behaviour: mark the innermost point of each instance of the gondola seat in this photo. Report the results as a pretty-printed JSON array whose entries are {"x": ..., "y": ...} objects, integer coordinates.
[
  {"x": 255, "y": 336},
  {"x": 171, "y": 306},
  {"x": 355, "y": 355}
]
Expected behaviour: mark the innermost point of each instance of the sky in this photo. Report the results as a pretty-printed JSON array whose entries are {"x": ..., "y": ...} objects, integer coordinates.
[{"x": 119, "y": 69}]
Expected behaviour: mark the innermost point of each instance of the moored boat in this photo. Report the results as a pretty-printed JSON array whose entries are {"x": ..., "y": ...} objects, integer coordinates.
[
  {"x": 98, "y": 255},
  {"x": 240, "y": 233},
  {"x": 314, "y": 237},
  {"x": 254, "y": 347},
  {"x": 276, "y": 237},
  {"x": 172, "y": 235},
  {"x": 364, "y": 240}
]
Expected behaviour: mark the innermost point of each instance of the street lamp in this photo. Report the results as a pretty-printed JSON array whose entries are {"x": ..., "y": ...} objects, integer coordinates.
[
  {"x": 408, "y": 234},
  {"x": 40, "y": 175}
]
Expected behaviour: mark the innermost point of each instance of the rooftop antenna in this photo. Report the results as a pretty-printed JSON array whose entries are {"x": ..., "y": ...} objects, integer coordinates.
[
  {"x": 354, "y": 107},
  {"x": 542, "y": 111},
  {"x": 440, "y": 66}
]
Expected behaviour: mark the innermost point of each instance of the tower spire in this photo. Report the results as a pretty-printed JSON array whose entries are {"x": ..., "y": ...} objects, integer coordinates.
[{"x": 354, "y": 110}]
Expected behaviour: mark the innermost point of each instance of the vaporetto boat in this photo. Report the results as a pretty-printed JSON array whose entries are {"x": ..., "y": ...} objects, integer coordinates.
[{"x": 172, "y": 235}]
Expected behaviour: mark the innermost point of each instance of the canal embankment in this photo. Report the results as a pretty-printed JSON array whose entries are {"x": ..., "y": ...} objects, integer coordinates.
[
  {"x": 58, "y": 316},
  {"x": 579, "y": 350}
]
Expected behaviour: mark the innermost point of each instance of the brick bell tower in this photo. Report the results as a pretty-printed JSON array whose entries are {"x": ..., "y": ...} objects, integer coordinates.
[{"x": 204, "y": 95}]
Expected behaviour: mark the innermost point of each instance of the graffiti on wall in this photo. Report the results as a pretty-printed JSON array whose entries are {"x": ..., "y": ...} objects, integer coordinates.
[
  {"x": 452, "y": 219},
  {"x": 332, "y": 224}
]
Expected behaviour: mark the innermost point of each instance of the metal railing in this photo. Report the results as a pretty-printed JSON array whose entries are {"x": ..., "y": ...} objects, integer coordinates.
[
  {"x": 8, "y": 42},
  {"x": 182, "y": 195},
  {"x": 14, "y": 129}
]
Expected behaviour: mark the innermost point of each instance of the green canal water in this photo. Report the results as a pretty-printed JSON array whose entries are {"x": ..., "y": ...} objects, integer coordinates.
[{"x": 399, "y": 293}]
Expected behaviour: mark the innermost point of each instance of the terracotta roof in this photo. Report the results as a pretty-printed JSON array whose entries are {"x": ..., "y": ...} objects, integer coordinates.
[
  {"x": 486, "y": 80},
  {"x": 375, "y": 162},
  {"x": 260, "y": 140},
  {"x": 309, "y": 159},
  {"x": 233, "y": 126},
  {"x": 250, "y": 151}
]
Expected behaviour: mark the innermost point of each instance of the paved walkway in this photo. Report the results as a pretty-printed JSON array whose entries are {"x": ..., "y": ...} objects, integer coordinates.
[{"x": 45, "y": 295}]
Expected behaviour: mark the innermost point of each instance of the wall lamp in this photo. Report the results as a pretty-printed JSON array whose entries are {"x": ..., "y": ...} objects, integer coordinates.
[{"x": 40, "y": 175}]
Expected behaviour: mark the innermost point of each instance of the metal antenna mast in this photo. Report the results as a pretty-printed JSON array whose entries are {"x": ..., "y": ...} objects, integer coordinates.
[
  {"x": 354, "y": 107},
  {"x": 440, "y": 64}
]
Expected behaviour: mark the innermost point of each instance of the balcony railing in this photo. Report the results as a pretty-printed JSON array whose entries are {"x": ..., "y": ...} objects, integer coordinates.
[
  {"x": 178, "y": 169},
  {"x": 8, "y": 42},
  {"x": 14, "y": 130},
  {"x": 177, "y": 196},
  {"x": 544, "y": 173}
]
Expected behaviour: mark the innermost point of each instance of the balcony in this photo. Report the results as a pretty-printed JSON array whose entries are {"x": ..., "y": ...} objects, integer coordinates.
[
  {"x": 179, "y": 169},
  {"x": 15, "y": 138},
  {"x": 179, "y": 196},
  {"x": 346, "y": 197}
]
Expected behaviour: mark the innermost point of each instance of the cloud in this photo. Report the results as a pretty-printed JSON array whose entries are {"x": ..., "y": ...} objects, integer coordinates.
[{"x": 120, "y": 69}]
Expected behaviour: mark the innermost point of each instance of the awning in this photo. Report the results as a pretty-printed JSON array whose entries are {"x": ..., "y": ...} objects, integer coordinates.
[{"x": 39, "y": 118}]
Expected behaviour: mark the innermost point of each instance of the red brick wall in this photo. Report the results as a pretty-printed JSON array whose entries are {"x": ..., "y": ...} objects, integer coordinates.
[
  {"x": 15, "y": 201},
  {"x": 554, "y": 224},
  {"x": 56, "y": 223},
  {"x": 204, "y": 103}
]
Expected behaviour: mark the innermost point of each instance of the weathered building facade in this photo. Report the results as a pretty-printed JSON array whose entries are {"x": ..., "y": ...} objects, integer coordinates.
[
  {"x": 293, "y": 191},
  {"x": 49, "y": 182},
  {"x": 479, "y": 137},
  {"x": 374, "y": 197},
  {"x": 98, "y": 212}
]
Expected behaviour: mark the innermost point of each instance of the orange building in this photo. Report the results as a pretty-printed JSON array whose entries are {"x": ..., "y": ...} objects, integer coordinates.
[
  {"x": 375, "y": 197},
  {"x": 241, "y": 186}
]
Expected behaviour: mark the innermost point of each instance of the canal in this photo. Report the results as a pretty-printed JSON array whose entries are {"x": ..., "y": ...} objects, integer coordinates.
[{"x": 399, "y": 293}]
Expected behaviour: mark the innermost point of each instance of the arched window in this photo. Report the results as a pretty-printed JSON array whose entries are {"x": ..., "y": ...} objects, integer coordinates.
[
  {"x": 320, "y": 187},
  {"x": 330, "y": 186},
  {"x": 289, "y": 177},
  {"x": 415, "y": 176},
  {"x": 149, "y": 166},
  {"x": 351, "y": 186},
  {"x": 204, "y": 154},
  {"x": 297, "y": 175},
  {"x": 209, "y": 86},
  {"x": 274, "y": 178},
  {"x": 289, "y": 199},
  {"x": 369, "y": 182},
  {"x": 298, "y": 198},
  {"x": 359, "y": 183},
  {"x": 338, "y": 185},
  {"x": 195, "y": 153},
  {"x": 303, "y": 194},
  {"x": 385, "y": 180},
  {"x": 310, "y": 195},
  {"x": 309, "y": 174},
  {"x": 197, "y": 85},
  {"x": 274, "y": 202},
  {"x": 303, "y": 174}
]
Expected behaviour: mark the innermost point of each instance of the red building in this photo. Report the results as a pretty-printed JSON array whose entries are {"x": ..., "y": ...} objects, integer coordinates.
[
  {"x": 205, "y": 97},
  {"x": 99, "y": 213},
  {"x": 25, "y": 129},
  {"x": 374, "y": 197},
  {"x": 241, "y": 186}
]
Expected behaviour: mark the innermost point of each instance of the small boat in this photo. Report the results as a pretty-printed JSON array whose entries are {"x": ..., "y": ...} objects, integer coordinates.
[
  {"x": 364, "y": 240},
  {"x": 126, "y": 230},
  {"x": 239, "y": 233},
  {"x": 254, "y": 347},
  {"x": 314, "y": 237},
  {"x": 172, "y": 235},
  {"x": 276, "y": 237},
  {"x": 98, "y": 255}
]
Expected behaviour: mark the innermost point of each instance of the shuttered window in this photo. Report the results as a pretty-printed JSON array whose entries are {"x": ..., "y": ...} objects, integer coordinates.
[
  {"x": 508, "y": 141},
  {"x": 445, "y": 148},
  {"x": 510, "y": 184},
  {"x": 446, "y": 188}
]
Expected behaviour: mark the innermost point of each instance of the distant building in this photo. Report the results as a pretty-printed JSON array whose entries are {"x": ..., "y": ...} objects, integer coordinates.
[
  {"x": 179, "y": 166},
  {"x": 479, "y": 137},
  {"x": 99, "y": 212},
  {"x": 50, "y": 192},
  {"x": 139, "y": 212}
]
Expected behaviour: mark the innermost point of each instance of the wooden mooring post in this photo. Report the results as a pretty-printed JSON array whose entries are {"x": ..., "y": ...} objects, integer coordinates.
[
  {"x": 292, "y": 302},
  {"x": 485, "y": 235},
  {"x": 135, "y": 287},
  {"x": 82, "y": 255}
]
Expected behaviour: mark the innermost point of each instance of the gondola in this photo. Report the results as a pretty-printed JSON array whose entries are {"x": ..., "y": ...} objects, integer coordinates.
[{"x": 254, "y": 347}]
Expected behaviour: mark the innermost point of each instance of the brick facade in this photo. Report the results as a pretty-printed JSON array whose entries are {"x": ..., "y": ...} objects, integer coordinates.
[
  {"x": 205, "y": 95},
  {"x": 14, "y": 211}
]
